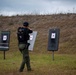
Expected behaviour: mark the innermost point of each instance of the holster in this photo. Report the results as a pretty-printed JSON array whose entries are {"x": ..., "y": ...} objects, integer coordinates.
[{"x": 26, "y": 45}]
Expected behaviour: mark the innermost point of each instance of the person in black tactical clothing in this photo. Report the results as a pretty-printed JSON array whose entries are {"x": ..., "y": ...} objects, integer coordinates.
[{"x": 23, "y": 45}]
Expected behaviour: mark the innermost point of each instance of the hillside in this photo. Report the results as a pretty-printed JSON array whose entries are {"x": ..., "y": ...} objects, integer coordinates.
[
  {"x": 41, "y": 59},
  {"x": 42, "y": 24}
]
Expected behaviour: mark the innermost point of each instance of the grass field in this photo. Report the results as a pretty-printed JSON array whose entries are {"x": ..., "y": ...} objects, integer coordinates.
[
  {"x": 42, "y": 64},
  {"x": 41, "y": 59}
]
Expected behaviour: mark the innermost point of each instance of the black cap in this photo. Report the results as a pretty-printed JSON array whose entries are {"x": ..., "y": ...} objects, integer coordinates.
[{"x": 26, "y": 24}]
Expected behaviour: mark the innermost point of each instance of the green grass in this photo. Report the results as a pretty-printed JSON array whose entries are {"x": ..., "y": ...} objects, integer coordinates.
[
  {"x": 42, "y": 64},
  {"x": 41, "y": 59}
]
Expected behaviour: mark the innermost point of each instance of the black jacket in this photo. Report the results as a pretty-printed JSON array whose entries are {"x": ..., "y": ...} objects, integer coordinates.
[{"x": 24, "y": 36}]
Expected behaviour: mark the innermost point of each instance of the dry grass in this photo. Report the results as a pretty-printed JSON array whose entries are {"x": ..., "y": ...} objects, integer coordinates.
[{"x": 40, "y": 58}]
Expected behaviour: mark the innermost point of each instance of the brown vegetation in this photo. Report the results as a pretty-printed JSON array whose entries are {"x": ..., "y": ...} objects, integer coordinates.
[
  {"x": 41, "y": 61},
  {"x": 42, "y": 24}
]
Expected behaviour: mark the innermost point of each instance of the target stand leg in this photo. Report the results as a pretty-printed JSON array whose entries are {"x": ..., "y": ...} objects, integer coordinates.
[
  {"x": 4, "y": 54},
  {"x": 53, "y": 55}
]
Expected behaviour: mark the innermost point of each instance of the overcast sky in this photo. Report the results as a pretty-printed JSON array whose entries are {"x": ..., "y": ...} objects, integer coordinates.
[{"x": 11, "y": 7}]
